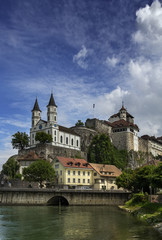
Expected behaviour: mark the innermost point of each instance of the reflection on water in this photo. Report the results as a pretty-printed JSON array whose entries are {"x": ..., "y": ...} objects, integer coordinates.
[{"x": 74, "y": 223}]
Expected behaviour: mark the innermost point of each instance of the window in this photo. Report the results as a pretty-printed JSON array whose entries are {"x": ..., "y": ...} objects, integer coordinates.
[
  {"x": 72, "y": 141},
  {"x": 48, "y": 118},
  {"x": 68, "y": 180},
  {"x": 66, "y": 140},
  {"x": 78, "y": 180},
  {"x": 55, "y": 118},
  {"x": 95, "y": 174},
  {"x": 60, "y": 172},
  {"x": 32, "y": 141},
  {"x": 68, "y": 172},
  {"x": 55, "y": 132},
  {"x": 56, "y": 165},
  {"x": 73, "y": 180},
  {"x": 73, "y": 172},
  {"x": 83, "y": 173},
  {"x": 77, "y": 143},
  {"x": 32, "y": 135},
  {"x": 60, "y": 180},
  {"x": 48, "y": 132},
  {"x": 78, "y": 172},
  {"x": 55, "y": 139},
  {"x": 88, "y": 173},
  {"x": 88, "y": 180},
  {"x": 83, "y": 180},
  {"x": 61, "y": 139}
]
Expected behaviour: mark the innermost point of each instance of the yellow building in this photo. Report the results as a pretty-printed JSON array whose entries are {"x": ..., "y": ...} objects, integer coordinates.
[
  {"x": 104, "y": 176},
  {"x": 73, "y": 172}
]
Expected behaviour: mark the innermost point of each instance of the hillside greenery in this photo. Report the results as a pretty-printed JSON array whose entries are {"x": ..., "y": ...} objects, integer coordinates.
[{"x": 101, "y": 150}]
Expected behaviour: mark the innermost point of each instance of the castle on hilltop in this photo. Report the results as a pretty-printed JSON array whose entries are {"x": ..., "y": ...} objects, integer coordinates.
[{"x": 120, "y": 127}]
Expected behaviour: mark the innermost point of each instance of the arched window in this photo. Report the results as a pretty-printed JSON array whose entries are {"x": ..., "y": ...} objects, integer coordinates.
[
  {"x": 77, "y": 143},
  {"x": 61, "y": 139},
  {"x": 66, "y": 140},
  {"x": 72, "y": 141}
]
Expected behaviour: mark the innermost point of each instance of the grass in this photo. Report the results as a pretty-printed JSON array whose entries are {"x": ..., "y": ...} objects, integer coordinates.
[{"x": 144, "y": 210}]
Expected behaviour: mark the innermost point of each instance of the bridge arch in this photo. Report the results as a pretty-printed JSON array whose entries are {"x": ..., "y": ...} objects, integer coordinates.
[{"x": 56, "y": 200}]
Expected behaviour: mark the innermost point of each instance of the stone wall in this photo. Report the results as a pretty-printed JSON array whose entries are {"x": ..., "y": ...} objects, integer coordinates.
[
  {"x": 86, "y": 134},
  {"x": 99, "y": 126},
  {"x": 123, "y": 140},
  {"x": 49, "y": 152},
  {"x": 143, "y": 145}
]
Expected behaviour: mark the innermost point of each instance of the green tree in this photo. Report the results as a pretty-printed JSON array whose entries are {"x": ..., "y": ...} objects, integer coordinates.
[
  {"x": 101, "y": 150},
  {"x": 143, "y": 178},
  {"x": 79, "y": 124},
  {"x": 43, "y": 137},
  {"x": 10, "y": 168},
  {"x": 125, "y": 180},
  {"x": 20, "y": 140},
  {"x": 156, "y": 177},
  {"x": 39, "y": 171}
]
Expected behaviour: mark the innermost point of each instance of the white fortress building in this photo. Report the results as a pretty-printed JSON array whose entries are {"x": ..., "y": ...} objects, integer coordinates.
[{"x": 61, "y": 136}]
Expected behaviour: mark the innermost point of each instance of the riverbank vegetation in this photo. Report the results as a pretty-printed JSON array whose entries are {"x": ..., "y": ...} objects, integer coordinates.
[
  {"x": 146, "y": 211},
  {"x": 146, "y": 179}
]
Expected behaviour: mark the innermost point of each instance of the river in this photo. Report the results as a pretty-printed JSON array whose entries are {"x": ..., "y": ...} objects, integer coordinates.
[{"x": 74, "y": 223}]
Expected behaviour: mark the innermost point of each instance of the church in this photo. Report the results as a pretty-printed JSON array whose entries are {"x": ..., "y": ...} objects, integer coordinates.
[{"x": 61, "y": 136}]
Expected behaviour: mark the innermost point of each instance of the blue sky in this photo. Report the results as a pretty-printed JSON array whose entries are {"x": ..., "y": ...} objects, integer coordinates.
[{"x": 89, "y": 52}]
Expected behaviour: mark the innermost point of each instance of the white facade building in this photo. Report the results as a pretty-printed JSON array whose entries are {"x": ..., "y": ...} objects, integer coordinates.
[{"x": 61, "y": 136}]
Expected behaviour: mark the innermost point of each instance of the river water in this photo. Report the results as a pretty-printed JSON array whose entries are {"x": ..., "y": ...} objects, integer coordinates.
[{"x": 74, "y": 223}]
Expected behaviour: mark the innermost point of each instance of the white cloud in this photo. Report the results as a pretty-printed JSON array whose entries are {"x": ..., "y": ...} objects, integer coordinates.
[
  {"x": 80, "y": 57},
  {"x": 145, "y": 71},
  {"x": 112, "y": 61},
  {"x": 14, "y": 122},
  {"x": 149, "y": 33}
]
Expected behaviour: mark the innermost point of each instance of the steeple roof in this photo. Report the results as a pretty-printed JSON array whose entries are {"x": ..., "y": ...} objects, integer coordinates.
[
  {"x": 36, "y": 106},
  {"x": 52, "y": 101}
]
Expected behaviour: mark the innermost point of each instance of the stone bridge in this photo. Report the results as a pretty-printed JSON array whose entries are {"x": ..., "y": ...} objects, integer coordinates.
[{"x": 11, "y": 196}]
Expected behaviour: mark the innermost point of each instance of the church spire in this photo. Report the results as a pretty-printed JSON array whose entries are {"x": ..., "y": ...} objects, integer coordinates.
[
  {"x": 36, "y": 114},
  {"x": 52, "y": 101},
  {"x": 52, "y": 110},
  {"x": 36, "y": 106}
]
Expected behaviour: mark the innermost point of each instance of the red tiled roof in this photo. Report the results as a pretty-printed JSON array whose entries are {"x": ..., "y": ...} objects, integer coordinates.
[
  {"x": 118, "y": 115},
  {"x": 123, "y": 123},
  {"x": 74, "y": 162},
  {"x": 152, "y": 138},
  {"x": 106, "y": 170}
]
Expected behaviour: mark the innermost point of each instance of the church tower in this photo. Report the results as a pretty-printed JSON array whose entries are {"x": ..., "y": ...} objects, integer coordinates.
[
  {"x": 52, "y": 111},
  {"x": 36, "y": 114},
  {"x": 123, "y": 112}
]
